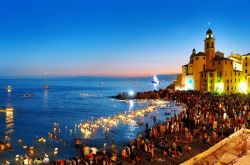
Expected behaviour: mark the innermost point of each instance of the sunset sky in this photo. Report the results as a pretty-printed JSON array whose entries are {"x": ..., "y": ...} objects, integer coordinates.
[{"x": 115, "y": 37}]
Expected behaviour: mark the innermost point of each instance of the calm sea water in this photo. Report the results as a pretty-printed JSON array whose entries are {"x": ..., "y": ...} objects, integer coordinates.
[{"x": 68, "y": 102}]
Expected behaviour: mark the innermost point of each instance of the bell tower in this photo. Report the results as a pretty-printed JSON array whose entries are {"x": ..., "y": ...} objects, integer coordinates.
[{"x": 209, "y": 48}]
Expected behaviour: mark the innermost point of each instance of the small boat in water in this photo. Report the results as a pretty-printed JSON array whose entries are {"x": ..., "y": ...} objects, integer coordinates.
[{"x": 155, "y": 80}]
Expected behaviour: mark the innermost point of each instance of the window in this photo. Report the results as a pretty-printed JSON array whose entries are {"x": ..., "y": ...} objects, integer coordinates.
[
  {"x": 207, "y": 45},
  {"x": 219, "y": 62},
  {"x": 239, "y": 74},
  {"x": 227, "y": 81},
  {"x": 246, "y": 58},
  {"x": 225, "y": 62},
  {"x": 205, "y": 75},
  {"x": 212, "y": 45},
  {"x": 245, "y": 64},
  {"x": 235, "y": 73},
  {"x": 203, "y": 58},
  {"x": 211, "y": 75},
  {"x": 245, "y": 71},
  {"x": 227, "y": 87},
  {"x": 235, "y": 80},
  {"x": 197, "y": 58},
  {"x": 231, "y": 62},
  {"x": 231, "y": 81}
]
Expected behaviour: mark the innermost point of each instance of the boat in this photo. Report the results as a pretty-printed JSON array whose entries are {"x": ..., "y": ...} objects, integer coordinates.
[
  {"x": 9, "y": 89},
  {"x": 155, "y": 80}
]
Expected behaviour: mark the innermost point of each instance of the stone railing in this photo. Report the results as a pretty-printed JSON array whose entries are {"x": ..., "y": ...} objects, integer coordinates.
[{"x": 235, "y": 144}]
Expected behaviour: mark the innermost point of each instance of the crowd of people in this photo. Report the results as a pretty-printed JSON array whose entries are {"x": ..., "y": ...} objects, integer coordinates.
[{"x": 205, "y": 120}]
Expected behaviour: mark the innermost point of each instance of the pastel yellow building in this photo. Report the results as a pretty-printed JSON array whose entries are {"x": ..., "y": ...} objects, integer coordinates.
[{"x": 210, "y": 71}]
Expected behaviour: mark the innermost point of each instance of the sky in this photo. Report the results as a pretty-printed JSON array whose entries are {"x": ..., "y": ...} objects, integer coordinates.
[{"x": 115, "y": 37}]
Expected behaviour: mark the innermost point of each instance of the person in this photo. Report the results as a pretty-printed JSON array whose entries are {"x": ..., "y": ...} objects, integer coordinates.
[
  {"x": 152, "y": 150},
  {"x": 46, "y": 159},
  {"x": 77, "y": 142},
  {"x": 91, "y": 158},
  {"x": 86, "y": 150},
  {"x": 104, "y": 158},
  {"x": 38, "y": 161},
  {"x": 124, "y": 153}
]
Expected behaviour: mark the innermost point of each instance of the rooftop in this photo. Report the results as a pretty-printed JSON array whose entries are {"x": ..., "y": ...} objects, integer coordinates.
[{"x": 218, "y": 58}]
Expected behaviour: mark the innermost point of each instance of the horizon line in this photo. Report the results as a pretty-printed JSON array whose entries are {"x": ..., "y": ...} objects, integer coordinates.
[{"x": 75, "y": 76}]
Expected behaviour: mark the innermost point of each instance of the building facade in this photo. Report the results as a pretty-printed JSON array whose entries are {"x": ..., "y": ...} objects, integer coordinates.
[{"x": 210, "y": 71}]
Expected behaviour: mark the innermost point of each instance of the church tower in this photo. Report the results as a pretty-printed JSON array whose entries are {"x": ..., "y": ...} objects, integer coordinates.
[{"x": 209, "y": 48}]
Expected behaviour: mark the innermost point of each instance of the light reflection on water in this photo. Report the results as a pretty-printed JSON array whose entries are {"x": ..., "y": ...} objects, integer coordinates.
[
  {"x": 9, "y": 124},
  {"x": 63, "y": 103}
]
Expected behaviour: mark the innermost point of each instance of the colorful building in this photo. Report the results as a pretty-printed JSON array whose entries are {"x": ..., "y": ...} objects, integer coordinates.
[{"x": 210, "y": 71}]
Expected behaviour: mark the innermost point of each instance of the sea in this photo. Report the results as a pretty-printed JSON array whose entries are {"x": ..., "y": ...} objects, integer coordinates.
[{"x": 68, "y": 102}]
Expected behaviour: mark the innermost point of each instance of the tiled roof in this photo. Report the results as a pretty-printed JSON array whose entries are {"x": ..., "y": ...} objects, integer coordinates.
[{"x": 217, "y": 58}]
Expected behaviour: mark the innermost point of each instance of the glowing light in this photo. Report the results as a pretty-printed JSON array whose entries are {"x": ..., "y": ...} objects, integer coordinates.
[
  {"x": 131, "y": 93},
  {"x": 219, "y": 87},
  {"x": 9, "y": 89},
  {"x": 189, "y": 83},
  {"x": 224, "y": 115},
  {"x": 243, "y": 87},
  {"x": 88, "y": 128}
]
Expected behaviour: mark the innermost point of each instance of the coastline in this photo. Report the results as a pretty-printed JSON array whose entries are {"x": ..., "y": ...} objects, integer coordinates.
[
  {"x": 178, "y": 138},
  {"x": 205, "y": 138}
]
